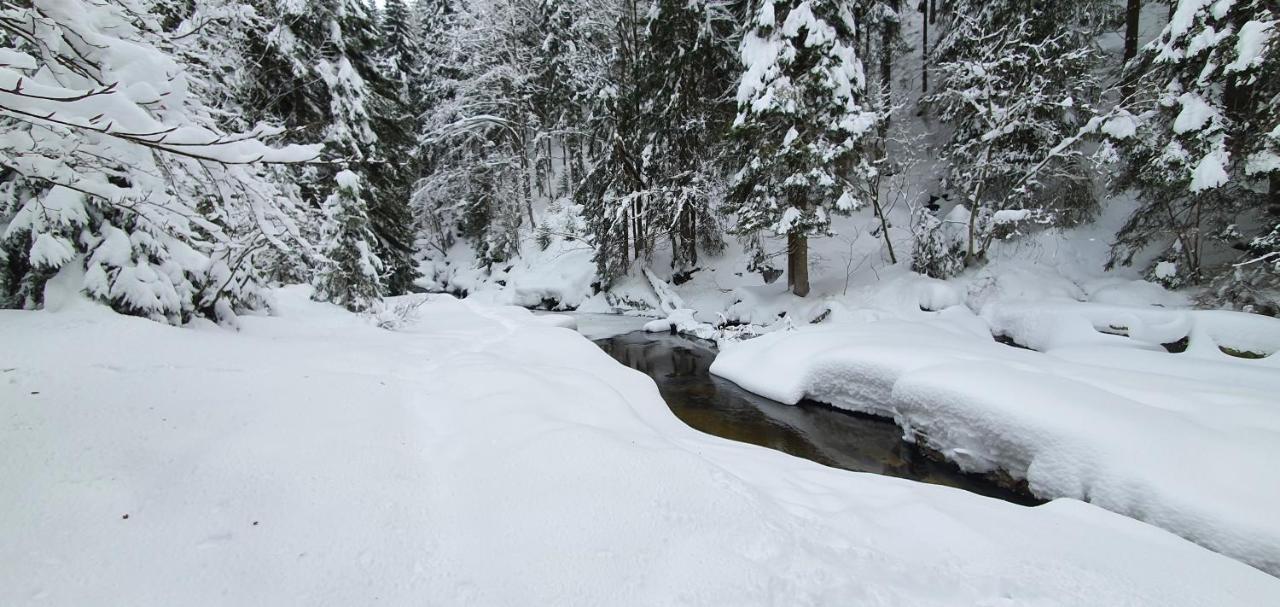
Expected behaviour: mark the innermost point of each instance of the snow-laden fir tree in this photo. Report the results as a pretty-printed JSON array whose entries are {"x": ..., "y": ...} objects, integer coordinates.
[
  {"x": 662, "y": 108},
  {"x": 1201, "y": 145},
  {"x": 316, "y": 71},
  {"x": 799, "y": 130},
  {"x": 115, "y": 168},
  {"x": 401, "y": 47},
  {"x": 351, "y": 273},
  {"x": 1015, "y": 81},
  {"x": 689, "y": 62},
  {"x": 614, "y": 194}
]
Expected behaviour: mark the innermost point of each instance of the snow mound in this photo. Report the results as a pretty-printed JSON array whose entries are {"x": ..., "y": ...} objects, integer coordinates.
[{"x": 1183, "y": 441}]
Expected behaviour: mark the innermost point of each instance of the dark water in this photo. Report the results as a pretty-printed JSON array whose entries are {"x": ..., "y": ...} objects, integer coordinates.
[{"x": 816, "y": 432}]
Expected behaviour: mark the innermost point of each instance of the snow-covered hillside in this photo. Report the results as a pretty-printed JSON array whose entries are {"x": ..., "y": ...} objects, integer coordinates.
[{"x": 480, "y": 456}]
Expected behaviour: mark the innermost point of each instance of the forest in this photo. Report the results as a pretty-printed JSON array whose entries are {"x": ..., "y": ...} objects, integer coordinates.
[{"x": 187, "y": 153}]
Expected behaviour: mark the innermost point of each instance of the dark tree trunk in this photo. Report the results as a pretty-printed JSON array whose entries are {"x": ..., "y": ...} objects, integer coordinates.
[
  {"x": 693, "y": 239},
  {"x": 887, "y": 31},
  {"x": 798, "y": 263},
  {"x": 924, "y": 46},
  {"x": 1133, "y": 11},
  {"x": 1273, "y": 199}
]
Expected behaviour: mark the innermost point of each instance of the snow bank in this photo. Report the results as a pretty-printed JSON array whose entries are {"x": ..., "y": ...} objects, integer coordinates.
[
  {"x": 480, "y": 457},
  {"x": 558, "y": 276},
  {"x": 1184, "y": 441}
]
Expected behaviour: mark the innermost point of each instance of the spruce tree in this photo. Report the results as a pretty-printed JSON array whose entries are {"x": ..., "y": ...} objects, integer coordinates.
[
  {"x": 316, "y": 71},
  {"x": 688, "y": 65},
  {"x": 1201, "y": 146},
  {"x": 351, "y": 273},
  {"x": 800, "y": 124}
]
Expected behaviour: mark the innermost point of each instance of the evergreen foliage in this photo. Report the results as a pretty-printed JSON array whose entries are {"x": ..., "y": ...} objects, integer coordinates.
[
  {"x": 116, "y": 168},
  {"x": 802, "y": 115},
  {"x": 1200, "y": 143},
  {"x": 351, "y": 274},
  {"x": 183, "y": 154}
]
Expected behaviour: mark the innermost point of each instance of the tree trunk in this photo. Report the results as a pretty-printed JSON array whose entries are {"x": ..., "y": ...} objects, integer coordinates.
[
  {"x": 924, "y": 47},
  {"x": 551, "y": 165},
  {"x": 526, "y": 188},
  {"x": 693, "y": 233},
  {"x": 887, "y": 30},
  {"x": 1133, "y": 11},
  {"x": 637, "y": 217},
  {"x": 1273, "y": 200},
  {"x": 798, "y": 262},
  {"x": 791, "y": 263}
]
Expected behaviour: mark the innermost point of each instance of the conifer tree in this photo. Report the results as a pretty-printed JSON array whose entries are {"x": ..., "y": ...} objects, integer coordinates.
[
  {"x": 801, "y": 119},
  {"x": 688, "y": 66},
  {"x": 160, "y": 211},
  {"x": 1201, "y": 145},
  {"x": 351, "y": 273},
  {"x": 316, "y": 71}
]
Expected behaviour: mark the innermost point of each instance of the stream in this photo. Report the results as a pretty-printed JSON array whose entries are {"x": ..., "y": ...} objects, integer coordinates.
[{"x": 814, "y": 431}]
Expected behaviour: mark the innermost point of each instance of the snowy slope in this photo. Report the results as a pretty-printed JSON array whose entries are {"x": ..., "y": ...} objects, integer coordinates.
[{"x": 480, "y": 457}]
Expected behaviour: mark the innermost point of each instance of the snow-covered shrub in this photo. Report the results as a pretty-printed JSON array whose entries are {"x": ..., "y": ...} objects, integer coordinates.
[
  {"x": 399, "y": 316},
  {"x": 351, "y": 275},
  {"x": 111, "y": 160},
  {"x": 936, "y": 250}
]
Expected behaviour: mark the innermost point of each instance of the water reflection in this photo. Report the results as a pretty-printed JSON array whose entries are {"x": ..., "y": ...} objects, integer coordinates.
[{"x": 816, "y": 432}]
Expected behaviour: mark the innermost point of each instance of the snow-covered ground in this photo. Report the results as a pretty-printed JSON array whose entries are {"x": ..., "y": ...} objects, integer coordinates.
[
  {"x": 1187, "y": 441},
  {"x": 480, "y": 456},
  {"x": 1100, "y": 411}
]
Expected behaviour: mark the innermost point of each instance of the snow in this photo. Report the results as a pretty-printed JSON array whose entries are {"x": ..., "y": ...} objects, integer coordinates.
[
  {"x": 483, "y": 457},
  {"x": 1195, "y": 113},
  {"x": 1253, "y": 38},
  {"x": 49, "y": 251},
  {"x": 604, "y": 326},
  {"x": 1211, "y": 171},
  {"x": 1004, "y": 216},
  {"x": 562, "y": 275},
  {"x": 1121, "y": 127},
  {"x": 347, "y": 180},
  {"x": 1099, "y": 413}
]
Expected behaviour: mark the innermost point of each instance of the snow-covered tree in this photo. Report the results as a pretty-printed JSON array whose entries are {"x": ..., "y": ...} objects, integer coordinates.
[
  {"x": 478, "y": 133},
  {"x": 801, "y": 119},
  {"x": 401, "y": 45},
  {"x": 315, "y": 70},
  {"x": 615, "y": 194},
  {"x": 114, "y": 165},
  {"x": 1015, "y": 83},
  {"x": 1201, "y": 144},
  {"x": 689, "y": 62},
  {"x": 351, "y": 274}
]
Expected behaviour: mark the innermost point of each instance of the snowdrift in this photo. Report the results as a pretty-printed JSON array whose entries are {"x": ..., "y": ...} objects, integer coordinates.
[{"x": 1185, "y": 441}]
